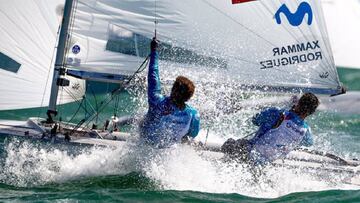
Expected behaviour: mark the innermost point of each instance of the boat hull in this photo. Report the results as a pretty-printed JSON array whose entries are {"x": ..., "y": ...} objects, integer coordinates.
[{"x": 312, "y": 161}]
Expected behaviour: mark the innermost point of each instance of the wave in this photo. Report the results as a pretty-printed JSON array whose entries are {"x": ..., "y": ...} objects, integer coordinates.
[{"x": 39, "y": 165}]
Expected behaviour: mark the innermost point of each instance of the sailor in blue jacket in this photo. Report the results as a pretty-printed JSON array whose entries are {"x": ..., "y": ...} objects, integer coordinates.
[
  {"x": 169, "y": 119},
  {"x": 280, "y": 132}
]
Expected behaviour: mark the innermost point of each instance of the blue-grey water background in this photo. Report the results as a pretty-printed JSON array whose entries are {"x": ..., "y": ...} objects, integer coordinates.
[{"x": 40, "y": 172}]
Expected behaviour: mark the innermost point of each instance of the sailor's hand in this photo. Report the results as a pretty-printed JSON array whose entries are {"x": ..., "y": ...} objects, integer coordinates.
[{"x": 154, "y": 44}]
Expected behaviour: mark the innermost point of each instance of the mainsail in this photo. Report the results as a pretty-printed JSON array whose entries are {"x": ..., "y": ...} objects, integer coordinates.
[
  {"x": 27, "y": 45},
  {"x": 270, "y": 44}
]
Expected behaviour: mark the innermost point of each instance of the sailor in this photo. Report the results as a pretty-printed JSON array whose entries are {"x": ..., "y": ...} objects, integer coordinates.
[
  {"x": 169, "y": 119},
  {"x": 280, "y": 132}
]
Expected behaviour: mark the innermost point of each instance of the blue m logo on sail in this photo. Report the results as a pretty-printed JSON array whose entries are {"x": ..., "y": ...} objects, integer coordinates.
[{"x": 295, "y": 19}]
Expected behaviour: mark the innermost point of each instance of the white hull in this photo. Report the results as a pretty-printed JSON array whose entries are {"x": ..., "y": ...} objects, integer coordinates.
[
  {"x": 33, "y": 130},
  {"x": 302, "y": 160}
]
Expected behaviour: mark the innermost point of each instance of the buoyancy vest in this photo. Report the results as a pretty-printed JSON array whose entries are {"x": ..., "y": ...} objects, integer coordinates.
[{"x": 278, "y": 142}]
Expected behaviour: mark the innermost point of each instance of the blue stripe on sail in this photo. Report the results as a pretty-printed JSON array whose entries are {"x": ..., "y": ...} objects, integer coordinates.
[
  {"x": 8, "y": 63},
  {"x": 102, "y": 77}
]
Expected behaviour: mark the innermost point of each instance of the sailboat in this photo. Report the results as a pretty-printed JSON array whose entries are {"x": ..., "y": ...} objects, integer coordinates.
[{"x": 269, "y": 46}]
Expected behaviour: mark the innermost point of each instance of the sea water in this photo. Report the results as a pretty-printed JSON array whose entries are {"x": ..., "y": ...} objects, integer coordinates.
[{"x": 36, "y": 171}]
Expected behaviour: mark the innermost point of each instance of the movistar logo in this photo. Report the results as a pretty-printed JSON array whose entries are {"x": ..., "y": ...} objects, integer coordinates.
[{"x": 295, "y": 19}]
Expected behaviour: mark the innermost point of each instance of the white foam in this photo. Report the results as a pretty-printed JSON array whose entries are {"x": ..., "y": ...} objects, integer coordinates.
[
  {"x": 176, "y": 168},
  {"x": 182, "y": 168},
  {"x": 29, "y": 164}
]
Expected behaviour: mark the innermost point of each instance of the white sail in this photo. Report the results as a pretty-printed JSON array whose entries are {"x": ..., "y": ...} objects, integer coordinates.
[
  {"x": 247, "y": 42},
  {"x": 28, "y": 31},
  {"x": 95, "y": 25},
  {"x": 342, "y": 19}
]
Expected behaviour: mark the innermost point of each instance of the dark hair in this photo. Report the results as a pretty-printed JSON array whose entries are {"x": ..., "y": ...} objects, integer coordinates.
[
  {"x": 183, "y": 89},
  {"x": 308, "y": 103}
]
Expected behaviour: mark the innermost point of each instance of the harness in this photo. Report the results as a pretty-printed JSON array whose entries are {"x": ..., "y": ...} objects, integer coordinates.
[{"x": 284, "y": 137}]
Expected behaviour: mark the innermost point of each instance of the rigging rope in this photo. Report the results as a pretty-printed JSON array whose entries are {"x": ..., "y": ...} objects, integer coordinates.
[
  {"x": 78, "y": 101},
  {"x": 117, "y": 97},
  {"x": 77, "y": 111},
  {"x": 139, "y": 70},
  {"x": 96, "y": 103},
  {"x": 122, "y": 86},
  {"x": 106, "y": 101}
]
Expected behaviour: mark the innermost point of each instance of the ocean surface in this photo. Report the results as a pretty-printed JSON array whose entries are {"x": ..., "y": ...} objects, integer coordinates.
[{"x": 40, "y": 172}]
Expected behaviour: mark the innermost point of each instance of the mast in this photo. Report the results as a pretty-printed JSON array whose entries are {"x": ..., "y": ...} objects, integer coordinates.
[{"x": 59, "y": 69}]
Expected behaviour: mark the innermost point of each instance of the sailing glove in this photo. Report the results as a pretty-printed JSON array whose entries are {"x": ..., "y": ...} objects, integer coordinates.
[{"x": 154, "y": 44}]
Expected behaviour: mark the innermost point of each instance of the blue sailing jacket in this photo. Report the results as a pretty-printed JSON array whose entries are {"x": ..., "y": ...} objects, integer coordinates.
[
  {"x": 164, "y": 123},
  {"x": 272, "y": 143}
]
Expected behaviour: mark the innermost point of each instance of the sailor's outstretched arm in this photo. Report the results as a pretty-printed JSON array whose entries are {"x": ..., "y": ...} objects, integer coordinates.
[
  {"x": 154, "y": 85},
  {"x": 267, "y": 116}
]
